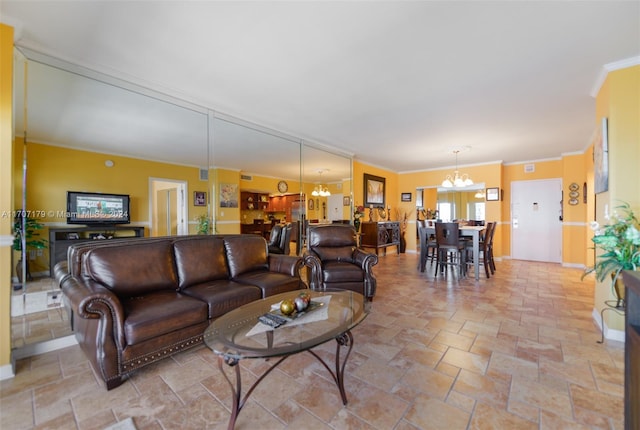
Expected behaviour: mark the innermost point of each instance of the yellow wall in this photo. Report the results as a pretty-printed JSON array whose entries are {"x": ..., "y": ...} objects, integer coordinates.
[
  {"x": 574, "y": 230},
  {"x": 52, "y": 171},
  {"x": 6, "y": 193},
  {"x": 619, "y": 101},
  {"x": 490, "y": 174}
]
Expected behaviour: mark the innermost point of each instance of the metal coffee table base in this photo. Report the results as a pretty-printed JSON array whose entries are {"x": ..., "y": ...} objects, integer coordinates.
[{"x": 345, "y": 339}]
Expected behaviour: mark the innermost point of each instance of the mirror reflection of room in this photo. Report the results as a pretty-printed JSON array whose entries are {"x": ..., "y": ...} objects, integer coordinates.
[
  {"x": 88, "y": 142},
  {"x": 447, "y": 205}
]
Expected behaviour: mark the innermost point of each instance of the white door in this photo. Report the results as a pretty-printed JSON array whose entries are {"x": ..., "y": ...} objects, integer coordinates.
[
  {"x": 334, "y": 207},
  {"x": 536, "y": 227}
]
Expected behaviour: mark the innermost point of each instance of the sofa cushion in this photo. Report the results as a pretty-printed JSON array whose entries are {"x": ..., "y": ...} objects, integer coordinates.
[
  {"x": 246, "y": 253},
  {"x": 271, "y": 282},
  {"x": 132, "y": 269},
  {"x": 200, "y": 260},
  {"x": 158, "y": 313},
  {"x": 222, "y": 296}
]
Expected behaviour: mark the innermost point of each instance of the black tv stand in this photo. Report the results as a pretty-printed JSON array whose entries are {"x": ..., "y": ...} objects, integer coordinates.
[{"x": 60, "y": 239}]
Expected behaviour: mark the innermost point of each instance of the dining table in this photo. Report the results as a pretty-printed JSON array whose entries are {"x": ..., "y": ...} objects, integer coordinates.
[{"x": 470, "y": 231}]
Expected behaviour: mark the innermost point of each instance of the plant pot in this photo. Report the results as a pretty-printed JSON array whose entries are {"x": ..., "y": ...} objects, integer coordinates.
[
  {"x": 19, "y": 274},
  {"x": 618, "y": 289},
  {"x": 403, "y": 244},
  {"x": 356, "y": 224}
]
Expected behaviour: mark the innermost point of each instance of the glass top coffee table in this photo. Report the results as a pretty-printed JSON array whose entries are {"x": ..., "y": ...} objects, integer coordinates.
[{"x": 239, "y": 335}]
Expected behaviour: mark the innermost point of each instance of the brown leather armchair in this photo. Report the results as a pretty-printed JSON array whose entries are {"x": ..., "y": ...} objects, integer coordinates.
[
  {"x": 335, "y": 261},
  {"x": 280, "y": 242}
]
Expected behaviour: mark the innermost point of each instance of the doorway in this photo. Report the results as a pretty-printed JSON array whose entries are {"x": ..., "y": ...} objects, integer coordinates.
[
  {"x": 334, "y": 207},
  {"x": 168, "y": 208},
  {"x": 536, "y": 220}
]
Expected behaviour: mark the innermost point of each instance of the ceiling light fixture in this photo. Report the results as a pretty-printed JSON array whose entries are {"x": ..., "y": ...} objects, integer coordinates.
[
  {"x": 479, "y": 194},
  {"x": 319, "y": 190},
  {"x": 458, "y": 181}
]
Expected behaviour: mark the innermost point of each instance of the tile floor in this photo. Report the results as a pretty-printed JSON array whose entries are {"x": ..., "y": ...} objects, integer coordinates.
[
  {"x": 39, "y": 326},
  {"x": 517, "y": 351}
]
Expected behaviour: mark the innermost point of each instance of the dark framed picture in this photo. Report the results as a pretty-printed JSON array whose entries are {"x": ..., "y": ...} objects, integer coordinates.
[
  {"x": 493, "y": 194},
  {"x": 374, "y": 190},
  {"x": 405, "y": 197},
  {"x": 346, "y": 201},
  {"x": 199, "y": 198},
  {"x": 310, "y": 204}
]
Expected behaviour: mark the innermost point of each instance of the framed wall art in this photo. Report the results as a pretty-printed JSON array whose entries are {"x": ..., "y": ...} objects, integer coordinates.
[
  {"x": 346, "y": 201},
  {"x": 228, "y": 195},
  {"x": 493, "y": 194},
  {"x": 199, "y": 198},
  {"x": 601, "y": 158},
  {"x": 374, "y": 190},
  {"x": 405, "y": 197}
]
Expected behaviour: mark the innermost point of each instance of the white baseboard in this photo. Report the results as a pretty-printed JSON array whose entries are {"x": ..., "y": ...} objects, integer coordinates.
[
  {"x": 574, "y": 265},
  {"x": 608, "y": 333},
  {"x": 6, "y": 372}
]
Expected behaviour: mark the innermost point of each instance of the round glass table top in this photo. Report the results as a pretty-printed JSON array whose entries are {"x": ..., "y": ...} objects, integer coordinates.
[{"x": 239, "y": 334}]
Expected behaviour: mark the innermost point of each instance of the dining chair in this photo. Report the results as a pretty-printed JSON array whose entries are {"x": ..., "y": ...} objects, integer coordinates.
[
  {"x": 485, "y": 250},
  {"x": 489, "y": 239},
  {"x": 451, "y": 251},
  {"x": 428, "y": 246}
]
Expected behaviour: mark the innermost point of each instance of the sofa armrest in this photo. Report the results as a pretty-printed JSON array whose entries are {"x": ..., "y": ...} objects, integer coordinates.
[
  {"x": 90, "y": 300},
  {"x": 286, "y": 264},
  {"x": 61, "y": 272}
]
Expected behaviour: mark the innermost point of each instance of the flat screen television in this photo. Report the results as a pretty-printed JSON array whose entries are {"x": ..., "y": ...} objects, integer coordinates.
[{"x": 97, "y": 208}]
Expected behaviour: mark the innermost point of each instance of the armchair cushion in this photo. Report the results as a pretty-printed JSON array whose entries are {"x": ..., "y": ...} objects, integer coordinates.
[
  {"x": 342, "y": 253},
  {"x": 339, "y": 271}
]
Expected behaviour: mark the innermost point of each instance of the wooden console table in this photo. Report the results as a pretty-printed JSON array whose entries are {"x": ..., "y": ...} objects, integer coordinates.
[{"x": 380, "y": 235}]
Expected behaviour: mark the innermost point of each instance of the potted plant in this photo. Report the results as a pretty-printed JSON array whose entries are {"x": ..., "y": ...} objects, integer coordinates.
[
  {"x": 620, "y": 242},
  {"x": 204, "y": 224},
  {"x": 25, "y": 231}
]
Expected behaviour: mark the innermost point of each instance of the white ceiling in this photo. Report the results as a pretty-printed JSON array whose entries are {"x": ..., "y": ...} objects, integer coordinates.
[{"x": 399, "y": 84}]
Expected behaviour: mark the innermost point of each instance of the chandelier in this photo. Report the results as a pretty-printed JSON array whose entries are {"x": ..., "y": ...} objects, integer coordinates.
[
  {"x": 319, "y": 190},
  {"x": 457, "y": 180}
]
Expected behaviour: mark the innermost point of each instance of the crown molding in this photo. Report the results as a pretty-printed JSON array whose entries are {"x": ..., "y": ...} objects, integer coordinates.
[{"x": 610, "y": 67}]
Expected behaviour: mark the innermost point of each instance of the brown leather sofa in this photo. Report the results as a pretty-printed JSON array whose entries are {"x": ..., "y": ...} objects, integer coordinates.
[
  {"x": 335, "y": 261},
  {"x": 136, "y": 301}
]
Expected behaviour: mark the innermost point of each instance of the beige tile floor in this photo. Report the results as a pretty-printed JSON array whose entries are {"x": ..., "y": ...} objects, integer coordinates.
[
  {"x": 517, "y": 351},
  {"x": 39, "y": 326}
]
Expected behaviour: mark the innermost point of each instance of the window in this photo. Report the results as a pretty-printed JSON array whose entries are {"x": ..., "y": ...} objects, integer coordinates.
[{"x": 445, "y": 211}]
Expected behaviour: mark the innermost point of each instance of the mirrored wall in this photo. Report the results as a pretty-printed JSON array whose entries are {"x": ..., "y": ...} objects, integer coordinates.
[
  {"x": 461, "y": 204},
  {"x": 78, "y": 130}
]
